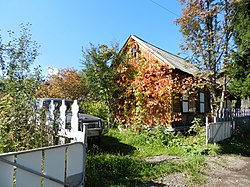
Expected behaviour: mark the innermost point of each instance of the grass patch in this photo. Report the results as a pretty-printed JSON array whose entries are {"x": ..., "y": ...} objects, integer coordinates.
[
  {"x": 239, "y": 144},
  {"x": 118, "y": 170},
  {"x": 119, "y": 161}
]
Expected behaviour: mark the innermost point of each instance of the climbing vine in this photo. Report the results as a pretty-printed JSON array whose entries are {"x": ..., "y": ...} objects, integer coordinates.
[{"x": 148, "y": 90}]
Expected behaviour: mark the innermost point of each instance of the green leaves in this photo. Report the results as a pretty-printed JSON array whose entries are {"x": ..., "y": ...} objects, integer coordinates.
[
  {"x": 207, "y": 30},
  {"x": 18, "y": 126},
  {"x": 100, "y": 63},
  {"x": 240, "y": 69}
]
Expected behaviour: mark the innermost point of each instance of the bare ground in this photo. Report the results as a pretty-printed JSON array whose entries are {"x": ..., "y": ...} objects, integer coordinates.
[
  {"x": 221, "y": 171},
  {"x": 228, "y": 171}
]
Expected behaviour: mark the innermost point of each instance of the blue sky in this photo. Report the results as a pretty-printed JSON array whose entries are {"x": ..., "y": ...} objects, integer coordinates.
[{"x": 64, "y": 27}]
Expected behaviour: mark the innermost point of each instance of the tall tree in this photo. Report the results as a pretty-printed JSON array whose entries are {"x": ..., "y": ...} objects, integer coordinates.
[
  {"x": 100, "y": 63},
  {"x": 207, "y": 30},
  {"x": 240, "y": 69},
  {"x": 66, "y": 84}
]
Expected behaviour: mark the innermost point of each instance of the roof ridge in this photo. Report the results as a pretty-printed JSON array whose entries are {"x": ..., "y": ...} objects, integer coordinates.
[
  {"x": 172, "y": 59},
  {"x": 160, "y": 48}
]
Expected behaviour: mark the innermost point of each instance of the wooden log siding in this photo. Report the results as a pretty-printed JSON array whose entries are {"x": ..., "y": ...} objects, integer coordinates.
[
  {"x": 177, "y": 103},
  {"x": 187, "y": 117},
  {"x": 144, "y": 52}
]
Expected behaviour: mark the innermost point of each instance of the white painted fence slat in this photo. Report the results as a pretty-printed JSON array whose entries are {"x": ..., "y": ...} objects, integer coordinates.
[
  {"x": 6, "y": 172},
  {"x": 29, "y": 160},
  {"x": 218, "y": 131},
  {"x": 51, "y": 110},
  {"x": 44, "y": 167},
  {"x": 75, "y": 169},
  {"x": 62, "y": 129},
  {"x": 54, "y": 166},
  {"x": 63, "y": 109},
  {"x": 74, "y": 120}
]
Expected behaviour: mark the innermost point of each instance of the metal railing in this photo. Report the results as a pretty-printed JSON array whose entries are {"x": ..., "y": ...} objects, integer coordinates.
[{"x": 54, "y": 166}]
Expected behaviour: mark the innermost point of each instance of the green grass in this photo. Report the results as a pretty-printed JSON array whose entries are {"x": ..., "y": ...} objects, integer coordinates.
[
  {"x": 119, "y": 161},
  {"x": 239, "y": 144}
]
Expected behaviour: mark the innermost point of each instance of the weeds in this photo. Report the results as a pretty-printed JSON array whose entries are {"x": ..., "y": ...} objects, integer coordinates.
[{"x": 119, "y": 161}]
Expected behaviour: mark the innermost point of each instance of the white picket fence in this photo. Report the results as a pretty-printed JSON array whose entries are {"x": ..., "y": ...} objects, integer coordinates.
[
  {"x": 219, "y": 131},
  {"x": 55, "y": 166},
  {"x": 224, "y": 124},
  {"x": 73, "y": 132}
]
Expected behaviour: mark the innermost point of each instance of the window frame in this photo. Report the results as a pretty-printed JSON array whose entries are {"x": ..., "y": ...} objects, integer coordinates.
[
  {"x": 202, "y": 102},
  {"x": 134, "y": 52},
  {"x": 185, "y": 102},
  {"x": 188, "y": 103}
]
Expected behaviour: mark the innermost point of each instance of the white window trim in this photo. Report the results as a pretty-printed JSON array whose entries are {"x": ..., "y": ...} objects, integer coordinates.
[{"x": 202, "y": 102}]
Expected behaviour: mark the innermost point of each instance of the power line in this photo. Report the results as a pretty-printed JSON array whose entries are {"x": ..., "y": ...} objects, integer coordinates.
[{"x": 164, "y": 8}]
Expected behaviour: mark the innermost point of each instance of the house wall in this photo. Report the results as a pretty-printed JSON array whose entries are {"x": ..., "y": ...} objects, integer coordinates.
[{"x": 181, "y": 117}]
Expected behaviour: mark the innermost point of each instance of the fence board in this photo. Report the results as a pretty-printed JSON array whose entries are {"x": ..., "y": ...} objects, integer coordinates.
[
  {"x": 218, "y": 131},
  {"x": 54, "y": 166},
  {"x": 6, "y": 172},
  {"x": 44, "y": 167},
  {"x": 75, "y": 169},
  {"x": 30, "y": 160}
]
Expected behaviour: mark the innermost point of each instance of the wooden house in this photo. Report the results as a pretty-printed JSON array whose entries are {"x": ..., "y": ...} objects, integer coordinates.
[{"x": 187, "y": 106}]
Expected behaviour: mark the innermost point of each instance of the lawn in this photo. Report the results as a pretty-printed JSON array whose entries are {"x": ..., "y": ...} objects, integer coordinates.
[{"x": 120, "y": 159}]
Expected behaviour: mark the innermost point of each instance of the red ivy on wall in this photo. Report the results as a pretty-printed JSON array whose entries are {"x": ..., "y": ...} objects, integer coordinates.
[{"x": 148, "y": 90}]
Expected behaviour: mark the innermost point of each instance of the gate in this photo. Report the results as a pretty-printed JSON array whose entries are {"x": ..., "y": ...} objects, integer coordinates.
[
  {"x": 225, "y": 122},
  {"x": 55, "y": 166}
]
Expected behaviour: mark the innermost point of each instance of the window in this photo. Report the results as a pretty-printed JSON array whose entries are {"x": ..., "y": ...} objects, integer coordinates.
[
  {"x": 134, "y": 52},
  {"x": 188, "y": 103},
  {"x": 185, "y": 102},
  {"x": 202, "y": 102}
]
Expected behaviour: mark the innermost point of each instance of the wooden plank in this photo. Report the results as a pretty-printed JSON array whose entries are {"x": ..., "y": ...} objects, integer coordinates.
[
  {"x": 30, "y": 160},
  {"x": 54, "y": 166},
  {"x": 6, "y": 172}
]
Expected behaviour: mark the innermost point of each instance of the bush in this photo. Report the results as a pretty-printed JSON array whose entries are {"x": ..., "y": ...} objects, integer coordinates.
[{"x": 18, "y": 117}]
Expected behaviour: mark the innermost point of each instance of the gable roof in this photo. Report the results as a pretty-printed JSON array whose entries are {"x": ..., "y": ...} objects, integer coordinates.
[{"x": 170, "y": 59}]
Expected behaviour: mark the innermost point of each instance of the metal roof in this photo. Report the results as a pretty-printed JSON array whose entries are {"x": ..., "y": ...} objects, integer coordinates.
[{"x": 169, "y": 58}]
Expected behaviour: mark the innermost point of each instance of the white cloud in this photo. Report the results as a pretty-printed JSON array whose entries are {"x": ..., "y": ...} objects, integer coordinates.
[{"x": 52, "y": 71}]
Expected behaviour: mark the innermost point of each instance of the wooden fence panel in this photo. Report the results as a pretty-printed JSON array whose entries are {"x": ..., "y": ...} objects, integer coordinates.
[
  {"x": 55, "y": 166},
  {"x": 74, "y": 169},
  {"x": 218, "y": 131},
  {"x": 225, "y": 122}
]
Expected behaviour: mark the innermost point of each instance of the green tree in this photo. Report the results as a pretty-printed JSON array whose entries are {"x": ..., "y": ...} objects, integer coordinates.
[
  {"x": 100, "y": 67},
  {"x": 240, "y": 69},
  {"x": 207, "y": 30},
  {"x": 18, "y": 128}
]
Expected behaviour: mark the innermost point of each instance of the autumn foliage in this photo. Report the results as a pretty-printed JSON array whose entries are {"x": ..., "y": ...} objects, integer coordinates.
[
  {"x": 148, "y": 91},
  {"x": 66, "y": 84}
]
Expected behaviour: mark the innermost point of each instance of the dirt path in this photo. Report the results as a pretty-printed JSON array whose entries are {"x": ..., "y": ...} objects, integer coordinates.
[
  {"x": 221, "y": 171},
  {"x": 228, "y": 171}
]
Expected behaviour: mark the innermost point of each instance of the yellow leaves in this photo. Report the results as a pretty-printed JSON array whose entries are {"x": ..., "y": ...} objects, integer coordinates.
[
  {"x": 66, "y": 84},
  {"x": 148, "y": 91}
]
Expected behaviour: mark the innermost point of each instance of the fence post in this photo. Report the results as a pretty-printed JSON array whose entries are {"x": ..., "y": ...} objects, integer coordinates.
[
  {"x": 62, "y": 130},
  {"x": 207, "y": 126},
  {"x": 74, "y": 120}
]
